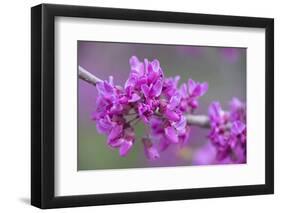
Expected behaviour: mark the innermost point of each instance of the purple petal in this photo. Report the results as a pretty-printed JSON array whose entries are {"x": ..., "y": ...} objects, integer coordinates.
[
  {"x": 110, "y": 80},
  {"x": 116, "y": 143},
  {"x": 131, "y": 81},
  {"x": 135, "y": 97},
  {"x": 170, "y": 86},
  {"x": 191, "y": 86},
  {"x": 157, "y": 88},
  {"x": 193, "y": 104},
  {"x": 152, "y": 76},
  {"x": 123, "y": 100},
  {"x": 100, "y": 86},
  {"x": 137, "y": 67},
  {"x": 204, "y": 88},
  {"x": 184, "y": 137},
  {"x": 116, "y": 108},
  {"x": 156, "y": 126},
  {"x": 181, "y": 124},
  {"x": 108, "y": 88},
  {"x": 172, "y": 115},
  {"x": 155, "y": 65},
  {"x": 115, "y": 132},
  {"x": 144, "y": 112},
  {"x": 171, "y": 134},
  {"x": 104, "y": 126},
  {"x": 145, "y": 89},
  {"x": 215, "y": 112},
  {"x": 196, "y": 89},
  {"x": 238, "y": 127},
  {"x": 125, "y": 147},
  {"x": 222, "y": 154},
  {"x": 134, "y": 61},
  {"x": 174, "y": 102},
  {"x": 236, "y": 104},
  {"x": 183, "y": 90}
]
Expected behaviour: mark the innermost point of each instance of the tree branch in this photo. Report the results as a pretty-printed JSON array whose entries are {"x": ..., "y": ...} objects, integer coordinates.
[
  {"x": 196, "y": 120},
  {"x": 87, "y": 76}
]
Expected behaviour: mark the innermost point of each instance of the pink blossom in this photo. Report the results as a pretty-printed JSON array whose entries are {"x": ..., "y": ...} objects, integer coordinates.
[
  {"x": 149, "y": 97},
  {"x": 228, "y": 131}
]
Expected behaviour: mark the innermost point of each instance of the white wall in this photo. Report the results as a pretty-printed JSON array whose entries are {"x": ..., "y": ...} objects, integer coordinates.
[{"x": 15, "y": 105}]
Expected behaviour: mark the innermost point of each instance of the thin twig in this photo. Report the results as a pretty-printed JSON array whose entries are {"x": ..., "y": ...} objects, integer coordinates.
[
  {"x": 196, "y": 120},
  {"x": 87, "y": 76}
]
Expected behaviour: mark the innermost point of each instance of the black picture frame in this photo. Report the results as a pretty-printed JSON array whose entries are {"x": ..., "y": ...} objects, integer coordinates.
[{"x": 43, "y": 117}]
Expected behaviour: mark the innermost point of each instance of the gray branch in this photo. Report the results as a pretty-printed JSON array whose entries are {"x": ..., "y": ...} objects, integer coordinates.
[
  {"x": 196, "y": 120},
  {"x": 87, "y": 76}
]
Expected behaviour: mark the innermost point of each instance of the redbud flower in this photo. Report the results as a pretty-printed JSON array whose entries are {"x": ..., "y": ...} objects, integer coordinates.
[
  {"x": 228, "y": 131},
  {"x": 149, "y": 97}
]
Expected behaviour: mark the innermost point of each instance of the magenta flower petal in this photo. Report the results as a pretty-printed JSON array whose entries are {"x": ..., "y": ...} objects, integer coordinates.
[
  {"x": 156, "y": 89},
  {"x": 228, "y": 132},
  {"x": 204, "y": 88},
  {"x": 155, "y": 65},
  {"x": 115, "y": 132},
  {"x": 152, "y": 76},
  {"x": 191, "y": 86},
  {"x": 116, "y": 143},
  {"x": 238, "y": 127},
  {"x": 135, "y": 97},
  {"x": 236, "y": 104},
  {"x": 183, "y": 90},
  {"x": 136, "y": 66},
  {"x": 145, "y": 89},
  {"x": 125, "y": 147},
  {"x": 180, "y": 125},
  {"x": 193, "y": 104},
  {"x": 196, "y": 89},
  {"x": 184, "y": 137},
  {"x": 104, "y": 125},
  {"x": 131, "y": 81},
  {"x": 116, "y": 108},
  {"x": 215, "y": 112},
  {"x": 108, "y": 88},
  {"x": 174, "y": 101},
  {"x": 134, "y": 62},
  {"x": 171, "y": 134},
  {"x": 172, "y": 115},
  {"x": 170, "y": 86}
]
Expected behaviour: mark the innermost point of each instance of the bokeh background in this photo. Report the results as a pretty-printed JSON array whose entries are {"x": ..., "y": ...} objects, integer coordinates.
[{"x": 224, "y": 68}]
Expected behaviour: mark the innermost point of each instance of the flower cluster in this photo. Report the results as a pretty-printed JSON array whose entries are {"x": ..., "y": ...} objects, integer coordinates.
[
  {"x": 228, "y": 131},
  {"x": 149, "y": 97}
]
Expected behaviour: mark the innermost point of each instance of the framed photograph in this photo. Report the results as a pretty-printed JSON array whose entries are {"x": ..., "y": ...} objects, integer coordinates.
[{"x": 140, "y": 106}]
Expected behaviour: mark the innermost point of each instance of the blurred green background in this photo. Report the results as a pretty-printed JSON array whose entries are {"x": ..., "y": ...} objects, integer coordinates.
[{"x": 224, "y": 68}]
